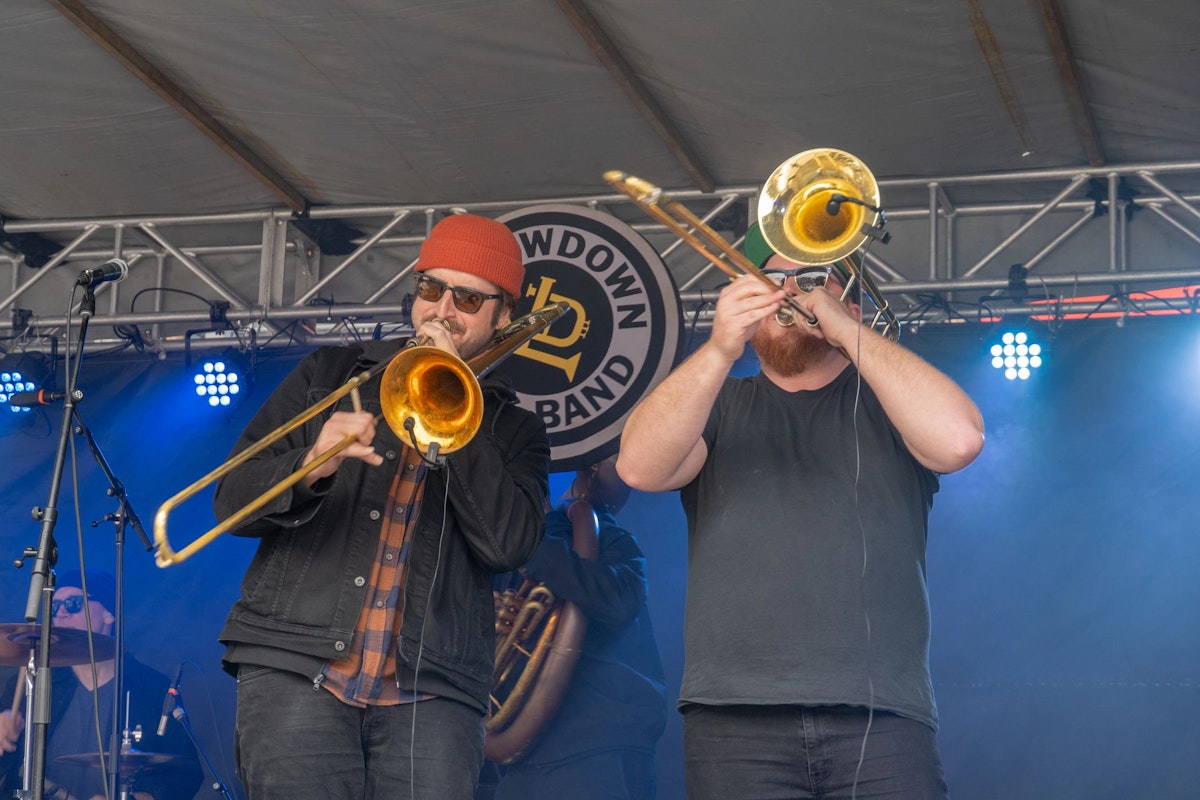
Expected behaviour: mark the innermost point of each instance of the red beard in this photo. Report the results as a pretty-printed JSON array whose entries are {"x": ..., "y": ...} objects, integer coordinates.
[{"x": 786, "y": 351}]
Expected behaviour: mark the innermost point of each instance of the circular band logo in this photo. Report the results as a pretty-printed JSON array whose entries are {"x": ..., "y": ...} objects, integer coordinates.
[{"x": 584, "y": 373}]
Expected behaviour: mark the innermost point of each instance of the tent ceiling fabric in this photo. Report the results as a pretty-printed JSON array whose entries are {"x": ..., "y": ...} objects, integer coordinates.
[
  {"x": 477, "y": 102},
  {"x": 377, "y": 101}
]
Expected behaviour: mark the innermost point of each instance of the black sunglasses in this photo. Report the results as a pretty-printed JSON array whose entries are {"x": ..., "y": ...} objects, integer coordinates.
[
  {"x": 73, "y": 604},
  {"x": 807, "y": 278},
  {"x": 468, "y": 301}
]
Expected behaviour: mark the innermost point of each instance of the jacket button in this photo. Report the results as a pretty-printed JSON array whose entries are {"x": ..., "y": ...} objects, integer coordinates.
[
  {"x": 339, "y": 646},
  {"x": 390, "y": 455},
  {"x": 375, "y": 515},
  {"x": 360, "y": 581}
]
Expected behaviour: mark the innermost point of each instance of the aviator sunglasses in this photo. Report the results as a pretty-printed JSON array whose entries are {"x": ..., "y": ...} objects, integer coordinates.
[
  {"x": 807, "y": 278},
  {"x": 468, "y": 301},
  {"x": 73, "y": 604}
]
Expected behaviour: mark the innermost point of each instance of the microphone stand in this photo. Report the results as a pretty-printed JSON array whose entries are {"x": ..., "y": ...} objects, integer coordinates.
[
  {"x": 123, "y": 514},
  {"x": 180, "y": 715},
  {"x": 41, "y": 581}
]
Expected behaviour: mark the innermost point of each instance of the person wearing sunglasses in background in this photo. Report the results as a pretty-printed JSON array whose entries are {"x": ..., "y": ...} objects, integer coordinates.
[
  {"x": 807, "y": 489},
  {"x": 363, "y": 640},
  {"x": 73, "y": 722}
]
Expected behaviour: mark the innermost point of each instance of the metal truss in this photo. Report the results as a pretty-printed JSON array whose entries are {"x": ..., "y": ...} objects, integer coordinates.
[{"x": 1055, "y": 244}]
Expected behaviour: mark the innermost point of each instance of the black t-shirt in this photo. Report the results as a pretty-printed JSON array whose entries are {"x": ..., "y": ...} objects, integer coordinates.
[{"x": 808, "y": 518}]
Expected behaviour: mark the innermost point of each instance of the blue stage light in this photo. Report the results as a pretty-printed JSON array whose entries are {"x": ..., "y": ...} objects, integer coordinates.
[
  {"x": 222, "y": 380},
  {"x": 1017, "y": 355},
  {"x": 27, "y": 373},
  {"x": 11, "y": 382}
]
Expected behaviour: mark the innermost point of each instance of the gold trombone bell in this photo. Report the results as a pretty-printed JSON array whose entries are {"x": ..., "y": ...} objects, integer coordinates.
[
  {"x": 433, "y": 396},
  {"x": 794, "y": 206}
]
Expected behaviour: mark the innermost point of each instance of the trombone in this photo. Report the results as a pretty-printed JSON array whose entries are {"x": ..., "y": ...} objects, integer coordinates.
[
  {"x": 818, "y": 207},
  {"x": 429, "y": 396}
]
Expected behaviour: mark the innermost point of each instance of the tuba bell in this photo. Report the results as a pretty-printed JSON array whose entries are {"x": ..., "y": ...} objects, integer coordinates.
[{"x": 538, "y": 642}]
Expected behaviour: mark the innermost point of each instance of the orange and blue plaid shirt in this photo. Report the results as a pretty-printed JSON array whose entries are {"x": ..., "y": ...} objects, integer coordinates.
[{"x": 368, "y": 675}]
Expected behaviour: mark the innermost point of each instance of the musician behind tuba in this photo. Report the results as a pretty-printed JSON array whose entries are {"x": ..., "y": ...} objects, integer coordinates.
[{"x": 600, "y": 740}]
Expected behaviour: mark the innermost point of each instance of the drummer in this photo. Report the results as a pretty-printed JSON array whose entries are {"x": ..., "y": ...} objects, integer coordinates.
[{"x": 72, "y": 728}]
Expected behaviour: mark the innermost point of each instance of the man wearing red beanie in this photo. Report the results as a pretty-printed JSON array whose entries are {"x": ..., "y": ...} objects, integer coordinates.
[{"x": 363, "y": 641}]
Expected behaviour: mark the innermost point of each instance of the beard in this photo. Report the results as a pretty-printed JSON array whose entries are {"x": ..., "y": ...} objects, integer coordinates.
[{"x": 786, "y": 351}]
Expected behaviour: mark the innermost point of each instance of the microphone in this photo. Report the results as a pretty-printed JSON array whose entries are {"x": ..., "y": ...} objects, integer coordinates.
[
  {"x": 169, "y": 700},
  {"x": 41, "y": 397},
  {"x": 834, "y": 206},
  {"x": 114, "y": 269}
]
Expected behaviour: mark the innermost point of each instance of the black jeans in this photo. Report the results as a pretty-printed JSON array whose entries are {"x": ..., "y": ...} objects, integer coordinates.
[
  {"x": 299, "y": 743},
  {"x": 811, "y": 753}
]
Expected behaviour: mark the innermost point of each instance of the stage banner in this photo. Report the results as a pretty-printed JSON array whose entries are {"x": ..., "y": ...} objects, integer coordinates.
[{"x": 584, "y": 373}]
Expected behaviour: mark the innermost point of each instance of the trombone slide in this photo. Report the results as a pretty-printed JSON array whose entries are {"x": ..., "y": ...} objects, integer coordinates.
[
  {"x": 691, "y": 229},
  {"x": 165, "y": 556}
]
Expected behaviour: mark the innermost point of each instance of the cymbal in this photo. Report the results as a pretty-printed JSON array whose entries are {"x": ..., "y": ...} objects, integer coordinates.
[
  {"x": 67, "y": 645},
  {"x": 130, "y": 759}
]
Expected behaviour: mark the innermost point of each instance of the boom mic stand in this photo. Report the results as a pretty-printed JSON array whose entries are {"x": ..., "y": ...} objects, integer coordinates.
[{"x": 123, "y": 514}]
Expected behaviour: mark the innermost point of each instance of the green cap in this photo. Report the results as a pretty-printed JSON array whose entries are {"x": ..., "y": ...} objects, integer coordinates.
[{"x": 755, "y": 246}]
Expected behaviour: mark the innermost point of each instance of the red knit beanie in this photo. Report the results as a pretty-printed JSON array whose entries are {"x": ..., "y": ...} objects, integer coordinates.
[{"x": 478, "y": 245}]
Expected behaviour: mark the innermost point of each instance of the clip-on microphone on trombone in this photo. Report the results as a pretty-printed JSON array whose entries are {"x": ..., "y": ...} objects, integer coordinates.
[
  {"x": 431, "y": 458},
  {"x": 834, "y": 206}
]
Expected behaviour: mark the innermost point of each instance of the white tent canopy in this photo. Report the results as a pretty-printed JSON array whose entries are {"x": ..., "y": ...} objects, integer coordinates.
[{"x": 190, "y": 137}]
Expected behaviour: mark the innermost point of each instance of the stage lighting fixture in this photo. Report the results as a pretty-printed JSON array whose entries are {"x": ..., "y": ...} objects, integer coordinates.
[
  {"x": 221, "y": 381},
  {"x": 1017, "y": 355},
  {"x": 11, "y": 382},
  {"x": 21, "y": 377}
]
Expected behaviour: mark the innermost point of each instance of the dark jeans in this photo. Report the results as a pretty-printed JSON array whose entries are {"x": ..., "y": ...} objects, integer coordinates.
[
  {"x": 299, "y": 743},
  {"x": 797, "y": 752},
  {"x": 609, "y": 775}
]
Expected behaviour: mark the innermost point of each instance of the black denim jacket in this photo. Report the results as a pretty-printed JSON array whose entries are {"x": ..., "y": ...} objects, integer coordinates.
[{"x": 305, "y": 587}]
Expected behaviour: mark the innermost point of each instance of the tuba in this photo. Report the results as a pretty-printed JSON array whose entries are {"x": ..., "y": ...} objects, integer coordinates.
[{"x": 538, "y": 642}]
